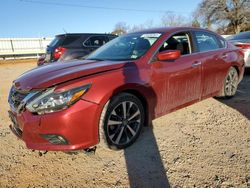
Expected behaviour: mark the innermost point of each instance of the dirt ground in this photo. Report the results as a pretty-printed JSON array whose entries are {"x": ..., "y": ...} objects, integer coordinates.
[{"x": 204, "y": 145}]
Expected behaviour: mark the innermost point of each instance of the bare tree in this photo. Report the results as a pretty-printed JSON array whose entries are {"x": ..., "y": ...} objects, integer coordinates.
[
  {"x": 233, "y": 13},
  {"x": 196, "y": 23},
  {"x": 148, "y": 24},
  {"x": 171, "y": 19},
  {"x": 120, "y": 28}
]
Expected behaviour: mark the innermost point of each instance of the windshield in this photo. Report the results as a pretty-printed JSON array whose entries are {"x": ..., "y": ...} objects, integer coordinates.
[{"x": 127, "y": 47}]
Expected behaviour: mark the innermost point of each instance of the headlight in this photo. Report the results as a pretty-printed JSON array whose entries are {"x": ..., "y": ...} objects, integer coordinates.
[{"x": 51, "y": 101}]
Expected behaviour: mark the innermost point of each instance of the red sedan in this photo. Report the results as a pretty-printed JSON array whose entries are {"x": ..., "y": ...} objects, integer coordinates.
[{"x": 121, "y": 87}]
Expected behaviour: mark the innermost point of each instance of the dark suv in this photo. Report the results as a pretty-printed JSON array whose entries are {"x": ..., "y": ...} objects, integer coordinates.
[{"x": 73, "y": 46}]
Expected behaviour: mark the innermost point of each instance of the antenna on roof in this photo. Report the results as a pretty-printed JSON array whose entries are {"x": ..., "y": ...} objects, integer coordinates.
[{"x": 64, "y": 31}]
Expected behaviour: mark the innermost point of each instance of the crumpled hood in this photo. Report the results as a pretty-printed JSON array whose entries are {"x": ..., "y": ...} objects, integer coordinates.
[{"x": 55, "y": 73}]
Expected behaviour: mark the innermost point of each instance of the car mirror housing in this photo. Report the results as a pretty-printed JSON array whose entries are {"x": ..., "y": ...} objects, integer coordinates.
[{"x": 168, "y": 55}]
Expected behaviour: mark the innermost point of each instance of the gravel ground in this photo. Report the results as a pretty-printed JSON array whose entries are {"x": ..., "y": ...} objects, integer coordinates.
[{"x": 204, "y": 145}]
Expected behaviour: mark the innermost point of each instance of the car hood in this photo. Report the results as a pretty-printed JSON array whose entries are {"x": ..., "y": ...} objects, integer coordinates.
[{"x": 55, "y": 73}]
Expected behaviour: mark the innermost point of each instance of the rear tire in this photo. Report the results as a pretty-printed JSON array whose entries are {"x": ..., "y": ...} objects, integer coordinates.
[
  {"x": 121, "y": 121},
  {"x": 230, "y": 84}
]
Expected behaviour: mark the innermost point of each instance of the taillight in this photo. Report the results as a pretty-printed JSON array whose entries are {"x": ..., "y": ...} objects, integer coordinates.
[
  {"x": 243, "y": 46},
  {"x": 59, "y": 51}
]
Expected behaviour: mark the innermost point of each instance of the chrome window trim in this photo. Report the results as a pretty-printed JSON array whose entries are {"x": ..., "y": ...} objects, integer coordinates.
[{"x": 191, "y": 50}]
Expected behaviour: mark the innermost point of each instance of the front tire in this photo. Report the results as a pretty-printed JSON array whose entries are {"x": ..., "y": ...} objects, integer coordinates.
[{"x": 121, "y": 121}]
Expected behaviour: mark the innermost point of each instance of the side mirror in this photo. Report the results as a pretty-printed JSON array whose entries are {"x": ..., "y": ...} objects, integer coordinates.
[{"x": 168, "y": 55}]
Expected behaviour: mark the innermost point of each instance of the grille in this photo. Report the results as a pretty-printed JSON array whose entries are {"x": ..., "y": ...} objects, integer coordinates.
[{"x": 16, "y": 97}]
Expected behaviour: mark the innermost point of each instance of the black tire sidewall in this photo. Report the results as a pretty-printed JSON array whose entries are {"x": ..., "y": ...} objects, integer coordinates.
[{"x": 113, "y": 103}]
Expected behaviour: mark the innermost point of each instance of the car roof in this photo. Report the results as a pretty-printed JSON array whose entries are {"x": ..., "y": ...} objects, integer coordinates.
[
  {"x": 169, "y": 29},
  {"x": 83, "y": 34},
  {"x": 241, "y": 35}
]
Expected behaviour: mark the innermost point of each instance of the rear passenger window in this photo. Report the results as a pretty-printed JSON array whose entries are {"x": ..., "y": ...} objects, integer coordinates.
[
  {"x": 207, "y": 41},
  {"x": 178, "y": 41},
  {"x": 96, "y": 41}
]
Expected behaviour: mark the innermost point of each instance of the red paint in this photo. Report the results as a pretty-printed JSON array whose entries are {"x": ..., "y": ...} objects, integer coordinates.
[
  {"x": 169, "y": 55},
  {"x": 165, "y": 85}
]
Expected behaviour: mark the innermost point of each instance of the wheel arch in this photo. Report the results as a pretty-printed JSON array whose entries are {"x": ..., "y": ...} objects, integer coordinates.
[
  {"x": 240, "y": 70},
  {"x": 133, "y": 91},
  {"x": 237, "y": 69},
  {"x": 141, "y": 92},
  {"x": 141, "y": 97}
]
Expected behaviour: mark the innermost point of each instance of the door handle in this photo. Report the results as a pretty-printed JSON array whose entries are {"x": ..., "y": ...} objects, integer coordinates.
[{"x": 196, "y": 64}]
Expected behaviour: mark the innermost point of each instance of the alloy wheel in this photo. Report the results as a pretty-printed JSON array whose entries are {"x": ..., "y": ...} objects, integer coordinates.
[
  {"x": 124, "y": 123},
  {"x": 231, "y": 83}
]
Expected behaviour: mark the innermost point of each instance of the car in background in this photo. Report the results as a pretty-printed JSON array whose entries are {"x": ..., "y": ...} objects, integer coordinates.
[
  {"x": 122, "y": 86},
  {"x": 71, "y": 46},
  {"x": 242, "y": 40}
]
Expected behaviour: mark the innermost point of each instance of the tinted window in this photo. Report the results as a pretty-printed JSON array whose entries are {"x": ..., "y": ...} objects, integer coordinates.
[
  {"x": 55, "y": 41},
  {"x": 178, "y": 41},
  {"x": 70, "y": 39},
  {"x": 206, "y": 41},
  {"x": 96, "y": 41}
]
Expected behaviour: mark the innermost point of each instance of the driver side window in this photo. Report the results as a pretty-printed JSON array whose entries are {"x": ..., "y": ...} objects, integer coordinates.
[{"x": 179, "y": 41}]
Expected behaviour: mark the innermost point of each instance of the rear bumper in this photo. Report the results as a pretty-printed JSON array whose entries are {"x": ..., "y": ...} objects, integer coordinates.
[{"x": 78, "y": 125}]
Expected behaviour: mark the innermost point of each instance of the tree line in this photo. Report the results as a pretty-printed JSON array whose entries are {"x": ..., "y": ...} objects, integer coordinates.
[{"x": 223, "y": 16}]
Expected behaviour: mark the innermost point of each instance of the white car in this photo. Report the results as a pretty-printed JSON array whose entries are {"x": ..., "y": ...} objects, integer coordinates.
[{"x": 242, "y": 40}]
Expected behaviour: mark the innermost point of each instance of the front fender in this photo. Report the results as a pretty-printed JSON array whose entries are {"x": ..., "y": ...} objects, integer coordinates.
[{"x": 107, "y": 85}]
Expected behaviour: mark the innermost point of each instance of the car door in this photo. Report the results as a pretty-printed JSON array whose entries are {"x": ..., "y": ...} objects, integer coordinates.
[
  {"x": 214, "y": 62},
  {"x": 177, "y": 82}
]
